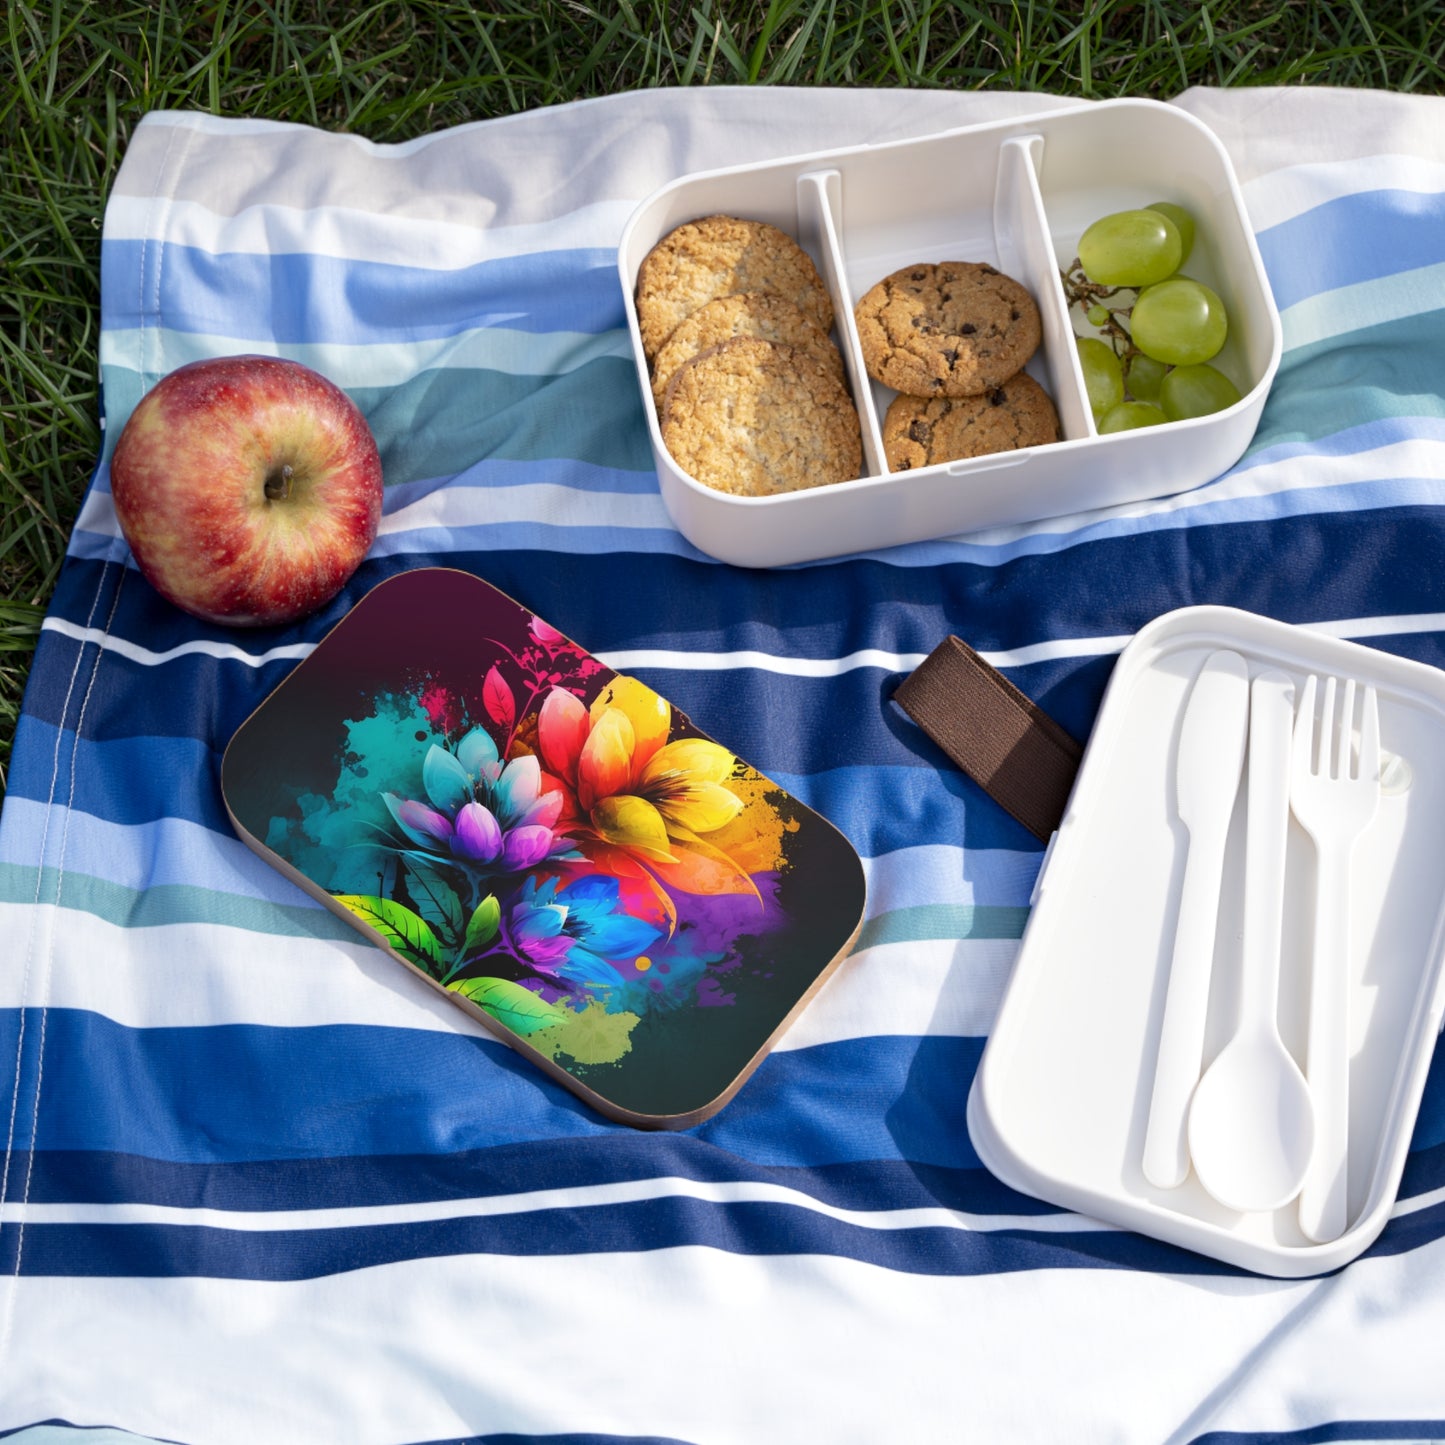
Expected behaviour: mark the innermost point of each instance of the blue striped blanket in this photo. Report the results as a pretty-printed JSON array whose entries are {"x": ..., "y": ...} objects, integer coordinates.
[{"x": 260, "y": 1185}]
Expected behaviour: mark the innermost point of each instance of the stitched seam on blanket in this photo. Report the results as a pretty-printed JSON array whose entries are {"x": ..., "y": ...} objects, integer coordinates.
[
  {"x": 165, "y": 196},
  {"x": 165, "y": 193},
  {"x": 45, "y": 976},
  {"x": 30, "y": 952},
  {"x": 35, "y": 920}
]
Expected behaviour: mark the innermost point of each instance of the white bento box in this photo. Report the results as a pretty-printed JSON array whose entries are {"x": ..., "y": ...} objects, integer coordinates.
[
  {"x": 1061, "y": 1102},
  {"x": 1016, "y": 195}
]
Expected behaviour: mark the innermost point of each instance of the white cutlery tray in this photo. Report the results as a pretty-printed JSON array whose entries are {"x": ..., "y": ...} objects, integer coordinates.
[
  {"x": 1060, "y": 1104},
  {"x": 1017, "y": 195}
]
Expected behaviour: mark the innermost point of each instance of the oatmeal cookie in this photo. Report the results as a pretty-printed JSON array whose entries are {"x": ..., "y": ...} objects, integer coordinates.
[
  {"x": 748, "y": 313},
  {"x": 918, "y": 432},
  {"x": 752, "y": 417},
  {"x": 956, "y": 328},
  {"x": 717, "y": 256}
]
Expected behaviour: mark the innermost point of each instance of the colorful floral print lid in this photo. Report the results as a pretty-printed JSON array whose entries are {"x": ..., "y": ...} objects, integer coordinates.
[{"x": 548, "y": 842}]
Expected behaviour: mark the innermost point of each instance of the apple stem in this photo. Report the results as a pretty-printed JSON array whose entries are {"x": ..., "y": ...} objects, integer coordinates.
[{"x": 278, "y": 484}]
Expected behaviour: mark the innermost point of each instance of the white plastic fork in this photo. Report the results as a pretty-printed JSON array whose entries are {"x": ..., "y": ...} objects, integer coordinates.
[{"x": 1334, "y": 796}]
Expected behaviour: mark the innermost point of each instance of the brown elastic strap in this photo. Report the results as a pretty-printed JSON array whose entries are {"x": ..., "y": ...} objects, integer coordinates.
[{"x": 1011, "y": 748}]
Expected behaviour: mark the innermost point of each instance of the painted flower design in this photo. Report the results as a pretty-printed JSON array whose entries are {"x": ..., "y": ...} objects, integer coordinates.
[
  {"x": 642, "y": 803},
  {"x": 577, "y": 931},
  {"x": 489, "y": 816},
  {"x": 569, "y": 869}
]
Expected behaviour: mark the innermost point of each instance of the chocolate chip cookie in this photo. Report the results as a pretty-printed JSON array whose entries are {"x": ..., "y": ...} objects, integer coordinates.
[
  {"x": 753, "y": 418},
  {"x": 717, "y": 256},
  {"x": 918, "y": 432},
  {"x": 955, "y": 328},
  {"x": 749, "y": 313}
]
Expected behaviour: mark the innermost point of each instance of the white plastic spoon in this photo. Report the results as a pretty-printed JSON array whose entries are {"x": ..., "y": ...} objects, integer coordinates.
[{"x": 1251, "y": 1121}]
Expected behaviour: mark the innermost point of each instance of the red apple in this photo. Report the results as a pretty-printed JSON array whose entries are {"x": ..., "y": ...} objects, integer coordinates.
[{"x": 248, "y": 487}]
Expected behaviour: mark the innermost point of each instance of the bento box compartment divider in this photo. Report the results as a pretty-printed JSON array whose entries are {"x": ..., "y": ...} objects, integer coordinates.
[
  {"x": 1026, "y": 250},
  {"x": 820, "y": 226}
]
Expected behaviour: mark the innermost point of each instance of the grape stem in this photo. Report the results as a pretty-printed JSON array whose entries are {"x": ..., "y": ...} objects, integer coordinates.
[{"x": 1086, "y": 295}]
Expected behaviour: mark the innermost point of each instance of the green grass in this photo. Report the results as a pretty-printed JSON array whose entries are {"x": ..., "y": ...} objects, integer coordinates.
[{"x": 76, "y": 77}]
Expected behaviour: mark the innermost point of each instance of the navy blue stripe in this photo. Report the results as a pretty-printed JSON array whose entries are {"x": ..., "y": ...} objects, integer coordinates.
[
  {"x": 753, "y": 1228},
  {"x": 85, "y": 597},
  {"x": 201, "y": 695},
  {"x": 1415, "y": 1431},
  {"x": 1425, "y": 1164},
  {"x": 1359, "y": 570},
  {"x": 494, "y": 472},
  {"x": 59, "y": 1176},
  {"x": 299, "y": 297},
  {"x": 205, "y": 1094},
  {"x": 55, "y": 1423},
  {"x": 126, "y": 780},
  {"x": 838, "y": 770},
  {"x": 509, "y": 1438},
  {"x": 568, "y": 1439},
  {"x": 193, "y": 697},
  {"x": 1359, "y": 567},
  {"x": 1410, "y": 1231},
  {"x": 1430, "y": 1126},
  {"x": 1295, "y": 568},
  {"x": 1353, "y": 238},
  {"x": 758, "y": 1230}
]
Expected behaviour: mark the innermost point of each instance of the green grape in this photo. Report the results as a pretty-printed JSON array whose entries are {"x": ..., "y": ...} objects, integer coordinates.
[
  {"x": 1183, "y": 223},
  {"x": 1130, "y": 248},
  {"x": 1196, "y": 391},
  {"x": 1098, "y": 315},
  {"x": 1179, "y": 322},
  {"x": 1103, "y": 376},
  {"x": 1144, "y": 376},
  {"x": 1129, "y": 415}
]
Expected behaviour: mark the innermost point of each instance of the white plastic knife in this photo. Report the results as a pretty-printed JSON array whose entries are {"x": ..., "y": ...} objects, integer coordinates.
[{"x": 1210, "y": 760}]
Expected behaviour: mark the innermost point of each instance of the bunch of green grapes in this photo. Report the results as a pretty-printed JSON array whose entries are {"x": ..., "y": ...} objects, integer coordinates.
[{"x": 1154, "y": 366}]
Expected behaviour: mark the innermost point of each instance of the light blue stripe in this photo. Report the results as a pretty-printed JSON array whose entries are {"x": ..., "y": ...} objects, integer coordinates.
[
  {"x": 161, "y": 905},
  {"x": 171, "y": 853},
  {"x": 941, "y": 921},
  {"x": 487, "y": 348},
  {"x": 166, "y": 853},
  {"x": 537, "y": 537},
  {"x": 561, "y": 538},
  {"x": 1385, "y": 491},
  {"x": 917, "y": 875},
  {"x": 1299, "y": 422},
  {"x": 308, "y": 299},
  {"x": 1304, "y": 501},
  {"x": 132, "y": 780},
  {"x": 523, "y": 472},
  {"x": 1384, "y": 431},
  {"x": 1353, "y": 238}
]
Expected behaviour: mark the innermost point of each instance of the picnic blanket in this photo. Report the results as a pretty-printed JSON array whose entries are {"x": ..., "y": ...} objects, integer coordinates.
[{"x": 258, "y": 1184}]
